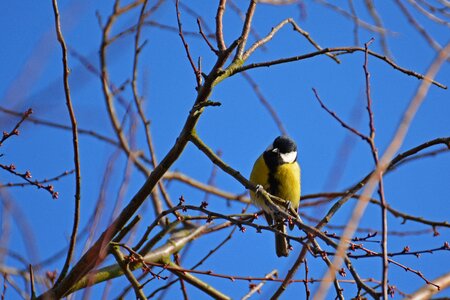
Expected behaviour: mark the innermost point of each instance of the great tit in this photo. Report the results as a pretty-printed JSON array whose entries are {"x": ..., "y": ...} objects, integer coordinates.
[{"x": 278, "y": 172}]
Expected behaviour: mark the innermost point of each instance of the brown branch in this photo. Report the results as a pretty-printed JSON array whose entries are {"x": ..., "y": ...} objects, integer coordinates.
[
  {"x": 274, "y": 31},
  {"x": 427, "y": 291},
  {"x": 205, "y": 38},
  {"x": 26, "y": 176},
  {"x": 126, "y": 269},
  {"x": 237, "y": 277},
  {"x": 138, "y": 101},
  {"x": 351, "y": 192},
  {"x": 38, "y": 183},
  {"x": 76, "y": 154},
  {"x": 307, "y": 291},
  {"x": 291, "y": 273},
  {"x": 370, "y": 253},
  {"x": 256, "y": 288},
  {"x": 188, "y": 277},
  {"x": 108, "y": 93},
  {"x": 338, "y": 51},
  {"x": 15, "y": 130},
  {"x": 96, "y": 253},
  {"x": 197, "y": 72},
  {"x": 219, "y": 25},
  {"x": 268, "y": 200},
  {"x": 109, "y": 98},
  {"x": 182, "y": 284},
  {"x": 61, "y": 126},
  {"x": 234, "y": 7},
  {"x": 371, "y": 231},
  {"x": 383, "y": 165},
  {"x": 206, "y": 188},
  {"x": 374, "y": 149},
  {"x": 246, "y": 29},
  {"x": 337, "y": 118},
  {"x": 199, "y": 263}
]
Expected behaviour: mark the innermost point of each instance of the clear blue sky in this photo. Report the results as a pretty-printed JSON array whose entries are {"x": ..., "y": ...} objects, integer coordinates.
[{"x": 241, "y": 128}]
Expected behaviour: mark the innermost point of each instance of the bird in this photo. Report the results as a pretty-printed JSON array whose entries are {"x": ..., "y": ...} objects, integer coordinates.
[{"x": 278, "y": 172}]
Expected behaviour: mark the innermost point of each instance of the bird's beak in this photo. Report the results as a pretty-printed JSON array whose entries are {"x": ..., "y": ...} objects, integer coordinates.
[{"x": 275, "y": 150}]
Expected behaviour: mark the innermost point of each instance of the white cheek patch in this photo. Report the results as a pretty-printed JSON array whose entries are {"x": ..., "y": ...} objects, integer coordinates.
[{"x": 288, "y": 158}]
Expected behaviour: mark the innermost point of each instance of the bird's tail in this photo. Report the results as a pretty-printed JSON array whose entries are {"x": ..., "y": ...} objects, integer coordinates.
[{"x": 281, "y": 243}]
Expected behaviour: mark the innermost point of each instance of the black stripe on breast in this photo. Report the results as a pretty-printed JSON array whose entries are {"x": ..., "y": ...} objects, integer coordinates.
[{"x": 272, "y": 162}]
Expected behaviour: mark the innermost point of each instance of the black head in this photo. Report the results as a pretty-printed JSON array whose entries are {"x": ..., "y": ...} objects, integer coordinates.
[
  {"x": 283, "y": 150},
  {"x": 284, "y": 144}
]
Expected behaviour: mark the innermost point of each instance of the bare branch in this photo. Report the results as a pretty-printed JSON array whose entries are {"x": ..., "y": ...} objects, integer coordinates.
[
  {"x": 197, "y": 72},
  {"x": 219, "y": 25},
  {"x": 338, "y": 51},
  {"x": 246, "y": 29},
  {"x": 76, "y": 155},
  {"x": 382, "y": 167}
]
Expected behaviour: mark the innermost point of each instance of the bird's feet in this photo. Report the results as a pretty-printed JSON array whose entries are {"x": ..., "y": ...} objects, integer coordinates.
[{"x": 259, "y": 189}]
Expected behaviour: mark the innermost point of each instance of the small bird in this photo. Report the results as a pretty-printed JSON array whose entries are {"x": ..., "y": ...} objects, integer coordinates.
[{"x": 278, "y": 172}]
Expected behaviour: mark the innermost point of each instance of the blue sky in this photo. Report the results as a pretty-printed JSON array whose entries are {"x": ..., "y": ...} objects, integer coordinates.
[{"x": 241, "y": 128}]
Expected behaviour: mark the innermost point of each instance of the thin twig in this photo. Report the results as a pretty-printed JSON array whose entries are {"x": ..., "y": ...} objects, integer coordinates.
[
  {"x": 335, "y": 116},
  {"x": 76, "y": 154},
  {"x": 205, "y": 38},
  {"x": 26, "y": 176},
  {"x": 197, "y": 72},
  {"x": 427, "y": 291},
  {"x": 269, "y": 201},
  {"x": 138, "y": 100},
  {"x": 206, "y": 188},
  {"x": 274, "y": 31},
  {"x": 256, "y": 288},
  {"x": 307, "y": 291},
  {"x": 188, "y": 277},
  {"x": 15, "y": 130},
  {"x": 108, "y": 93},
  {"x": 126, "y": 269},
  {"x": 40, "y": 183},
  {"x": 96, "y": 253},
  {"x": 374, "y": 149},
  {"x": 338, "y": 51},
  {"x": 383, "y": 165},
  {"x": 293, "y": 269},
  {"x": 183, "y": 286},
  {"x": 61, "y": 126}
]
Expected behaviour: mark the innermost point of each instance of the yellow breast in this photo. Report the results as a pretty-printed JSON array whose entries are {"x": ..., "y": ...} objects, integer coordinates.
[{"x": 287, "y": 177}]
